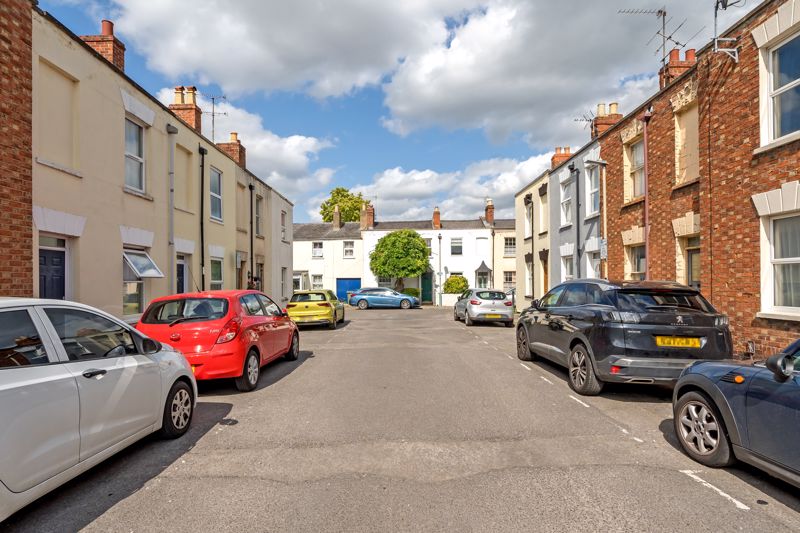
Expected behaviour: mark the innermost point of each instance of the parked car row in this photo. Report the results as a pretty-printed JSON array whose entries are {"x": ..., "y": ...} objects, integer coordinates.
[{"x": 667, "y": 333}]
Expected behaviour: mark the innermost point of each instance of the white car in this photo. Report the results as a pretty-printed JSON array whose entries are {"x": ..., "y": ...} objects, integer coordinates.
[{"x": 77, "y": 386}]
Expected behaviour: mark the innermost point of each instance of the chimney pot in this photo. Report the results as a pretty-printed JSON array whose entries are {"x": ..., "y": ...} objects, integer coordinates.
[
  {"x": 558, "y": 149},
  {"x": 691, "y": 55},
  {"x": 337, "y": 217},
  {"x": 489, "y": 211},
  {"x": 612, "y": 108},
  {"x": 437, "y": 218},
  {"x": 107, "y": 28},
  {"x": 566, "y": 149},
  {"x": 191, "y": 93},
  {"x": 235, "y": 138},
  {"x": 601, "y": 110},
  {"x": 178, "y": 95},
  {"x": 674, "y": 55}
]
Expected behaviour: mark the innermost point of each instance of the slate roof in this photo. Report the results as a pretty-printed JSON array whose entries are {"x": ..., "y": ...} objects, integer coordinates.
[
  {"x": 504, "y": 223},
  {"x": 325, "y": 231},
  {"x": 428, "y": 224}
]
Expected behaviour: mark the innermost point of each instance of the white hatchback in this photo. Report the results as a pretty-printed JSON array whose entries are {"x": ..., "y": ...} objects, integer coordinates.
[{"x": 77, "y": 386}]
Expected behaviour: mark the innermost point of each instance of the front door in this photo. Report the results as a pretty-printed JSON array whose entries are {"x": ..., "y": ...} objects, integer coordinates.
[
  {"x": 427, "y": 287},
  {"x": 52, "y": 274},
  {"x": 180, "y": 276}
]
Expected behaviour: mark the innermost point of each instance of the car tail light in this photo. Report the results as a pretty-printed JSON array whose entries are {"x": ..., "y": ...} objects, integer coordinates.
[
  {"x": 626, "y": 317},
  {"x": 474, "y": 302},
  {"x": 324, "y": 304},
  {"x": 508, "y": 304},
  {"x": 721, "y": 321},
  {"x": 229, "y": 331},
  {"x": 289, "y": 306},
  {"x": 615, "y": 369}
]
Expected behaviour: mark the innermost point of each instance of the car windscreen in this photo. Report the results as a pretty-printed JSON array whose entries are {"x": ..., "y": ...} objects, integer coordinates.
[
  {"x": 490, "y": 295},
  {"x": 308, "y": 297},
  {"x": 645, "y": 301},
  {"x": 185, "y": 310}
]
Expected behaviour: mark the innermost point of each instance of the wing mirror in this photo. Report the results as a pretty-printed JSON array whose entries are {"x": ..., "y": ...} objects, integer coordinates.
[
  {"x": 284, "y": 312},
  {"x": 535, "y": 303},
  {"x": 150, "y": 346},
  {"x": 781, "y": 365}
]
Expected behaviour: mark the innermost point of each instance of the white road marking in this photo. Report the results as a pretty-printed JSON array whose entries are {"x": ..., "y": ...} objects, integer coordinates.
[
  {"x": 509, "y": 357},
  {"x": 579, "y": 401},
  {"x": 637, "y": 439},
  {"x": 545, "y": 379},
  {"x": 525, "y": 367},
  {"x": 484, "y": 342},
  {"x": 737, "y": 503}
]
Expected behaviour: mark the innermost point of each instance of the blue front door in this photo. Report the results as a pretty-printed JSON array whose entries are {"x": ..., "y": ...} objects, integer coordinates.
[
  {"x": 52, "y": 274},
  {"x": 345, "y": 285}
]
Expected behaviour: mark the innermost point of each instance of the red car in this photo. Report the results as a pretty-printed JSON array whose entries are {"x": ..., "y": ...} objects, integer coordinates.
[{"x": 223, "y": 334}]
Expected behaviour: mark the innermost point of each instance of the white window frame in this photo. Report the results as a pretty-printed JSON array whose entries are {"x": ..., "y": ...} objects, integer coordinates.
[
  {"x": 134, "y": 157},
  {"x": 592, "y": 190},
  {"x": 567, "y": 260},
  {"x": 384, "y": 282},
  {"x": 314, "y": 248},
  {"x": 125, "y": 254},
  {"x": 428, "y": 245},
  {"x": 283, "y": 226},
  {"x": 566, "y": 203},
  {"x": 629, "y": 250},
  {"x": 592, "y": 259},
  {"x": 221, "y": 280},
  {"x": 509, "y": 250},
  {"x": 774, "y": 262},
  {"x": 509, "y": 284},
  {"x": 316, "y": 282},
  {"x": 544, "y": 222},
  {"x": 259, "y": 218},
  {"x": 213, "y": 195},
  {"x": 772, "y": 93},
  {"x": 284, "y": 272},
  {"x": 633, "y": 170},
  {"x": 351, "y": 248},
  {"x": 457, "y": 241},
  {"x": 529, "y": 220}
]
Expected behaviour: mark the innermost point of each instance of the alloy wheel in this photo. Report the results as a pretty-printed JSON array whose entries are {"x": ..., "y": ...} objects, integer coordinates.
[
  {"x": 523, "y": 350},
  {"x": 252, "y": 369},
  {"x": 699, "y": 428},
  {"x": 578, "y": 368},
  {"x": 181, "y": 409}
]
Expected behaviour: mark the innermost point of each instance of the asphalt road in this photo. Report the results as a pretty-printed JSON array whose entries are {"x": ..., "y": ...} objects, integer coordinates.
[{"x": 407, "y": 420}]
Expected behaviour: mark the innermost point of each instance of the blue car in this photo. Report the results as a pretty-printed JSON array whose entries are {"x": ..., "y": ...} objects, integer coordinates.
[
  {"x": 724, "y": 412},
  {"x": 382, "y": 297}
]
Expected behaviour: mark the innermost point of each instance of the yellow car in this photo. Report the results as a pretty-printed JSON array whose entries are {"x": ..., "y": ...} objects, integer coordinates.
[{"x": 316, "y": 307}]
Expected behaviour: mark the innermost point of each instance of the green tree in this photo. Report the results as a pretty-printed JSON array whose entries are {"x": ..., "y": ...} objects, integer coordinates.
[
  {"x": 349, "y": 205},
  {"x": 400, "y": 254},
  {"x": 455, "y": 285}
]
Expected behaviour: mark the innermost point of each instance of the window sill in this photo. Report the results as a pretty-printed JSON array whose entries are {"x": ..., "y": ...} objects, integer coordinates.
[
  {"x": 772, "y": 315},
  {"x": 783, "y": 141},
  {"x": 565, "y": 226},
  {"x": 635, "y": 201},
  {"x": 542, "y": 233},
  {"x": 138, "y": 194},
  {"x": 317, "y": 257},
  {"x": 512, "y": 256},
  {"x": 216, "y": 221},
  {"x": 592, "y": 215},
  {"x": 346, "y": 257},
  {"x": 260, "y": 237},
  {"x": 60, "y": 168},
  {"x": 679, "y": 186},
  {"x": 241, "y": 230}
]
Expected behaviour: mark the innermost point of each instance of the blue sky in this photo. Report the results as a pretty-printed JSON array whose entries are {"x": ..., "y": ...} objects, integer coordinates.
[{"x": 444, "y": 103}]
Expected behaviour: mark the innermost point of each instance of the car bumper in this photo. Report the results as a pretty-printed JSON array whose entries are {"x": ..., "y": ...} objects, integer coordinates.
[
  {"x": 492, "y": 317},
  {"x": 307, "y": 320},
  {"x": 220, "y": 362},
  {"x": 622, "y": 369}
]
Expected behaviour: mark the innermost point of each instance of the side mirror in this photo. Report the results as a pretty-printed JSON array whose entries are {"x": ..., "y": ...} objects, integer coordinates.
[
  {"x": 535, "y": 303},
  {"x": 150, "y": 346},
  {"x": 781, "y": 365},
  {"x": 284, "y": 312}
]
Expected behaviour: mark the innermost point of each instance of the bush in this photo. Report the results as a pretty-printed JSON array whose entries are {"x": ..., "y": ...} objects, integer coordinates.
[
  {"x": 411, "y": 291},
  {"x": 455, "y": 285}
]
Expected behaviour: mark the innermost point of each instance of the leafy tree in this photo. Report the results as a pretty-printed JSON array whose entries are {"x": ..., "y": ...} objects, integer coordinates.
[
  {"x": 349, "y": 205},
  {"x": 400, "y": 254},
  {"x": 455, "y": 285}
]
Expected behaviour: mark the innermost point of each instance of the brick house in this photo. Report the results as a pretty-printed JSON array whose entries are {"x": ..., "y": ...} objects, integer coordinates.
[{"x": 16, "y": 108}]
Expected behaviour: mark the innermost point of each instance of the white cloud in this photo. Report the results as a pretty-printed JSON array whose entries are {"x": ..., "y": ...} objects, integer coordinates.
[{"x": 283, "y": 162}]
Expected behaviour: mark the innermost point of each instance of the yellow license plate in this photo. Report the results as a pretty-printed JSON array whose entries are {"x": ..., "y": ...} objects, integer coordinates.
[
  {"x": 678, "y": 342},
  {"x": 493, "y": 316}
]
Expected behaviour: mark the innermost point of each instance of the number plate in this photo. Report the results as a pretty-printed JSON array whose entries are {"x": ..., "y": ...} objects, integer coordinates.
[
  {"x": 678, "y": 342},
  {"x": 494, "y": 316}
]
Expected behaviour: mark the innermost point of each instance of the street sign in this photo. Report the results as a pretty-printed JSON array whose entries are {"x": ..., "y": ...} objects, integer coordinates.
[{"x": 603, "y": 249}]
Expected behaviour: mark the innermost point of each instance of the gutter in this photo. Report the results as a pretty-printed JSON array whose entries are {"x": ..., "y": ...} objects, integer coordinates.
[
  {"x": 203, "y": 153},
  {"x": 171, "y": 132},
  {"x": 252, "y": 258},
  {"x": 648, "y": 114}
]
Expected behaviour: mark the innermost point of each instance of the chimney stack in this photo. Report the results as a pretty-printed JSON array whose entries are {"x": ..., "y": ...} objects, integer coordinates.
[
  {"x": 107, "y": 45},
  {"x": 235, "y": 150},
  {"x": 603, "y": 121},
  {"x": 675, "y": 67},
  {"x": 185, "y": 107},
  {"x": 559, "y": 157},
  {"x": 367, "y": 217},
  {"x": 489, "y": 211},
  {"x": 337, "y": 218},
  {"x": 437, "y": 218}
]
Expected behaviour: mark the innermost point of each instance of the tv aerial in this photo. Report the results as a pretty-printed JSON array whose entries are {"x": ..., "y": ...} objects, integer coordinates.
[
  {"x": 668, "y": 37},
  {"x": 733, "y": 52}
]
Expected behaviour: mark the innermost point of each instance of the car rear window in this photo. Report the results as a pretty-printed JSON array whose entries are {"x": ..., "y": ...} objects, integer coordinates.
[
  {"x": 185, "y": 310},
  {"x": 643, "y": 301},
  {"x": 491, "y": 295},
  {"x": 308, "y": 297}
]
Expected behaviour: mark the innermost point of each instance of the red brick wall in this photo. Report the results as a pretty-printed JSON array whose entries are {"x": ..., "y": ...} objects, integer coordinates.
[
  {"x": 729, "y": 132},
  {"x": 16, "y": 222},
  {"x": 109, "y": 47}
]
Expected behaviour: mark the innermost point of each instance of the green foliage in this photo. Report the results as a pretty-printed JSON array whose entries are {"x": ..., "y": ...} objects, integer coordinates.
[
  {"x": 400, "y": 254},
  {"x": 411, "y": 291},
  {"x": 455, "y": 285},
  {"x": 349, "y": 205}
]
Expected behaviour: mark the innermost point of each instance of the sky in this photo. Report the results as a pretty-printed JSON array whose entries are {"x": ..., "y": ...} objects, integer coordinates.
[{"x": 415, "y": 104}]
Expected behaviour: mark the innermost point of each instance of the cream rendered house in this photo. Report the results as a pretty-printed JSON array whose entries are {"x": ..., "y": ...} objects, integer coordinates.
[
  {"x": 505, "y": 255},
  {"x": 532, "y": 240}
]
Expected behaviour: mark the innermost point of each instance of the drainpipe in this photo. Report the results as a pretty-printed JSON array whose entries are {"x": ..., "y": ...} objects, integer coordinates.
[
  {"x": 203, "y": 153},
  {"x": 493, "y": 265},
  {"x": 528, "y": 201},
  {"x": 252, "y": 258},
  {"x": 577, "y": 174},
  {"x": 646, "y": 120},
  {"x": 171, "y": 132},
  {"x": 440, "y": 270}
]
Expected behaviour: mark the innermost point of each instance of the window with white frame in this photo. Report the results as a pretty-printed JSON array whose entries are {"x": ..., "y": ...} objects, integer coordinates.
[
  {"x": 297, "y": 282},
  {"x": 593, "y": 190},
  {"x": 509, "y": 246},
  {"x": 566, "y": 203},
  {"x": 316, "y": 281},
  {"x": 137, "y": 267},
  {"x": 428, "y": 246},
  {"x": 316, "y": 250},
  {"x": 456, "y": 247},
  {"x": 216, "y": 274},
  {"x": 259, "y": 208},
  {"x": 134, "y": 155},
  {"x": 593, "y": 264},
  {"x": 384, "y": 281},
  {"x": 637, "y": 262},
  {"x": 509, "y": 280},
  {"x": 784, "y": 87},
  {"x": 528, "y": 220},
  {"x": 785, "y": 259},
  {"x": 215, "y": 191},
  {"x": 635, "y": 175},
  {"x": 284, "y": 272},
  {"x": 567, "y": 268},
  {"x": 544, "y": 223},
  {"x": 283, "y": 225},
  {"x": 349, "y": 249}
]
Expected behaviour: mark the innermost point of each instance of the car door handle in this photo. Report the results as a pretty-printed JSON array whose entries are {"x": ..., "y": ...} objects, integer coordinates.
[{"x": 92, "y": 372}]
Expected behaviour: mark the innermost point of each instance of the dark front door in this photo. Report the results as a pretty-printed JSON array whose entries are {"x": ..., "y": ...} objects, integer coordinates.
[
  {"x": 181, "y": 278},
  {"x": 52, "y": 274},
  {"x": 427, "y": 287}
]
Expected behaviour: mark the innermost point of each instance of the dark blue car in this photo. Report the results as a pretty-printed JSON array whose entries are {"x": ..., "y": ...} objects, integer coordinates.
[
  {"x": 724, "y": 412},
  {"x": 382, "y": 297}
]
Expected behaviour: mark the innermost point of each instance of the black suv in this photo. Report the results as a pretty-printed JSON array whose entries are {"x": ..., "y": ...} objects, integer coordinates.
[{"x": 624, "y": 332}]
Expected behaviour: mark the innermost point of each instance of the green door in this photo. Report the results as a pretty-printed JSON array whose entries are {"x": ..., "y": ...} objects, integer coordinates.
[{"x": 427, "y": 288}]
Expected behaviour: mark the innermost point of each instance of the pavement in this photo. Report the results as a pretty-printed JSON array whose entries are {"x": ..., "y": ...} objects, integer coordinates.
[{"x": 409, "y": 421}]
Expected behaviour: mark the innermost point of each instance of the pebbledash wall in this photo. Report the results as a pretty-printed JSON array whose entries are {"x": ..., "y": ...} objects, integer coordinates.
[{"x": 16, "y": 108}]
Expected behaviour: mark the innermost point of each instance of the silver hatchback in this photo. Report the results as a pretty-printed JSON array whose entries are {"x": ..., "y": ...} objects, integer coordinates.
[{"x": 484, "y": 305}]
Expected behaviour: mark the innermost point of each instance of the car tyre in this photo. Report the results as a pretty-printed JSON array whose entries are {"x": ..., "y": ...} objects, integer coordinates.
[
  {"x": 467, "y": 320},
  {"x": 362, "y": 304},
  {"x": 455, "y": 315},
  {"x": 701, "y": 430},
  {"x": 294, "y": 350},
  {"x": 250, "y": 373},
  {"x": 523, "y": 346},
  {"x": 510, "y": 324},
  {"x": 334, "y": 322},
  {"x": 405, "y": 304},
  {"x": 582, "y": 378},
  {"x": 178, "y": 411},
  {"x": 342, "y": 316}
]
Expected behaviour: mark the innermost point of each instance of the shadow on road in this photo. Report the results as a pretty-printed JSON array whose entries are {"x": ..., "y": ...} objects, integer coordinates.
[
  {"x": 773, "y": 487},
  {"x": 77, "y": 503},
  {"x": 313, "y": 327},
  {"x": 270, "y": 374}
]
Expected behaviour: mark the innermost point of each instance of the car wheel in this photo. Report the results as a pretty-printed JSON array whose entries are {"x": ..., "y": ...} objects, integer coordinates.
[
  {"x": 333, "y": 323},
  {"x": 523, "y": 348},
  {"x": 362, "y": 304},
  {"x": 582, "y": 378},
  {"x": 701, "y": 431},
  {"x": 467, "y": 320},
  {"x": 294, "y": 349},
  {"x": 178, "y": 411},
  {"x": 455, "y": 315},
  {"x": 250, "y": 373},
  {"x": 510, "y": 324},
  {"x": 405, "y": 304},
  {"x": 342, "y": 316}
]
